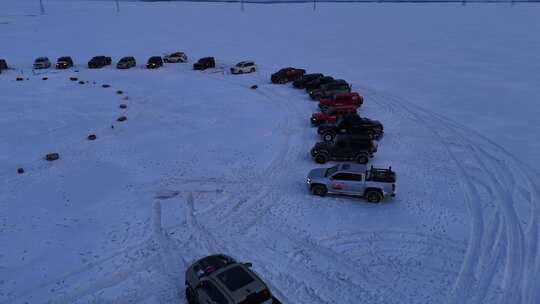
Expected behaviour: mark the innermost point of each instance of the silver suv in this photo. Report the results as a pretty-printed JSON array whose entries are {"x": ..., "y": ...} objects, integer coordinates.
[
  {"x": 354, "y": 180},
  {"x": 220, "y": 279}
]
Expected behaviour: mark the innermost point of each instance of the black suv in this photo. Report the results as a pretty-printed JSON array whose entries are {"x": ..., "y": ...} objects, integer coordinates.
[
  {"x": 126, "y": 62},
  {"x": 64, "y": 62},
  {"x": 329, "y": 89},
  {"x": 154, "y": 62},
  {"x": 205, "y": 63},
  {"x": 3, "y": 65},
  {"x": 359, "y": 150},
  {"x": 99, "y": 61},
  {"x": 301, "y": 83},
  {"x": 317, "y": 83},
  {"x": 351, "y": 125},
  {"x": 220, "y": 279}
]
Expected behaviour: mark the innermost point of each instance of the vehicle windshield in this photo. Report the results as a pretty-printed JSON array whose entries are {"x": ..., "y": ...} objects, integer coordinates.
[
  {"x": 331, "y": 171},
  {"x": 235, "y": 278}
]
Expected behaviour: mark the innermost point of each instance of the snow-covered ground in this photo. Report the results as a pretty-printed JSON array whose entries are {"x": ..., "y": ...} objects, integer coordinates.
[{"x": 205, "y": 164}]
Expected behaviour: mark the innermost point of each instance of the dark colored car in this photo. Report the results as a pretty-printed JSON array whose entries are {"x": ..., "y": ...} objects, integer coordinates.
[
  {"x": 359, "y": 150},
  {"x": 287, "y": 74},
  {"x": 98, "y": 62},
  {"x": 329, "y": 89},
  {"x": 42, "y": 63},
  {"x": 352, "y": 125},
  {"x": 205, "y": 63},
  {"x": 220, "y": 279},
  {"x": 3, "y": 65},
  {"x": 126, "y": 62},
  {"x": 317, "y": 83},
  {"x": 154, "y": 62},
  {"x": 64, "y": 62},
  {"x": 301, "y": 83}
]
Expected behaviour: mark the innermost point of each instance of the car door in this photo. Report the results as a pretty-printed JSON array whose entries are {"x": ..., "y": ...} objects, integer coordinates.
[
  {"x": 340, "y": 150},
  {"x": 357, "y": 184},
  {"x": 341, "y": 183}
]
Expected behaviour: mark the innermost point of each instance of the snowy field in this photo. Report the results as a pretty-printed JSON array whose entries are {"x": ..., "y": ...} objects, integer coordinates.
[{"x": 205, "y": 164}]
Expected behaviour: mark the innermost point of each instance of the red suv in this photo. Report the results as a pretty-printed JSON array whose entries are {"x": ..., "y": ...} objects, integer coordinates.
[
  {"x": 342, "y": 99},
  {"x": 332, "y": 114},
  {"x": 287, "y": 74}
]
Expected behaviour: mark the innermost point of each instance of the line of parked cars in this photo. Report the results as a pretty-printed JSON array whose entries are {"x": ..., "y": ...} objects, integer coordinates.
[
  {"x": 345, "y": 137},
  {"x": 127, "y": 62}
]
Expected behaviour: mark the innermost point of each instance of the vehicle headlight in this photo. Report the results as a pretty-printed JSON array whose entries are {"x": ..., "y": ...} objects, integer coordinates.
[{"x": 308, "y": 180}]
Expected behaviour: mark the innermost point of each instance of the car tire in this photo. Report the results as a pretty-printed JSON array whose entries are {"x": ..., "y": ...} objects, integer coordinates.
[
  {"x": 319, "y": 190},
  {"x": 328, "y": 137},
  {"x": 374, "y": 196},
  {"x": 362, "y": 159},
  {"x": 190, "y": 297},
  {"x": 321, "y": 158}
]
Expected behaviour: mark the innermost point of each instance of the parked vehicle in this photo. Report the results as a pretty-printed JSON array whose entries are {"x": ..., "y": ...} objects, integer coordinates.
[
  {"x": 175, "y": 57},
  {"x": 374, "y": 184},
  {"x": 205, "y": 63},
  {"x": 358, "y": 149},
  {"x": 301, "y": 83},
  {"x": 351, "y": 125},
  {"x": 287, "y": 74},
  {"x": 154, "y": 62},
  {"x": 3, "y": 65},
  {"x": 342, "y": 99},
  {"x": 220, "y": 279},
  {"x": 126, "y": 62},
  {"x": 64, "y": 62},
  {"x": 244, "y": 67},
  {"x": 331, "y": 115},
  {"x": 42, "y": 63},
  {"x": 98, "y": 62},
  {"x": 317, "y": 83},
  {"x": 329, "y": 89}
]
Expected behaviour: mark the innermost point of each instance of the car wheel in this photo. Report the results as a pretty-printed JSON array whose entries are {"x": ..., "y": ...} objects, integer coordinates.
[
  {"x": 328, "y": 137},
  {"x": 321, "y": 158},
  {"x": 362, "y": 159},
  {"x": 318, "y": 190},
  {"x": 374, "y": 196},
  {"x": 190, "y": 297}
]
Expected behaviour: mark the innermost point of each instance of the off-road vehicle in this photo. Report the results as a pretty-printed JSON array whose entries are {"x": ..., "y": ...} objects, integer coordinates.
[
  {"x": 351, "y": 125},
  {"x": 301, "y": 83},
  {"x": 126, "y": 62},
  {"x": 287, "y": 74},
  {"x": 342, "y": 99},
  {"x": 330, "y": 115},
  {"x": 3, "y": 65},
  {"x": 64, "y": 62},
  {"x": 42, "y": 63},
  {"x": 205, "y": 63},
  {"x": 359, "y": 150},
  {"x": 353, "y": 180},
  {"x": 175, "y": 57},
  {"x": 154, "y": 62},
  {"x": 98, "y": 62},
  {"x": 220, "y": 279},
  {"x": 317, "y": 83},
  {"x": 329, "y": 89},
  {"x": 244, "y": 67}
]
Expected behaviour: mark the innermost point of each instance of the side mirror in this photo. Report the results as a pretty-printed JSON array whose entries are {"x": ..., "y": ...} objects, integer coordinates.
[{"x": 248, "y": 264}]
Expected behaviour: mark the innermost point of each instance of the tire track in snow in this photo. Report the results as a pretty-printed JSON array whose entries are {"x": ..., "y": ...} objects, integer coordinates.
[{"x": 515, "y": 269}]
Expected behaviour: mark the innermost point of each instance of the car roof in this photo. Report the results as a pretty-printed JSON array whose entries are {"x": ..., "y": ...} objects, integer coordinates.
[
  {"x": 354, "y": 168},
  {"x": 247, "y": 61},
  {"x": 42, "y": 58}
]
